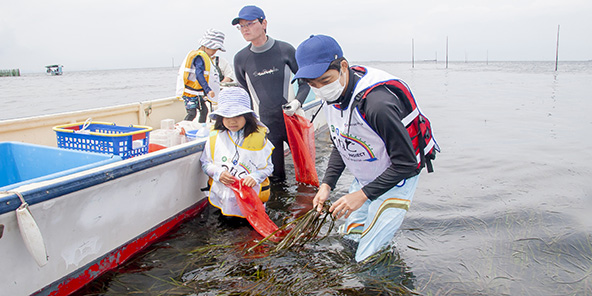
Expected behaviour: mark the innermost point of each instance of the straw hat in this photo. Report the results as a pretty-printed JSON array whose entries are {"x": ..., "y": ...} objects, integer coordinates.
[{"x": 232, "y": 102}]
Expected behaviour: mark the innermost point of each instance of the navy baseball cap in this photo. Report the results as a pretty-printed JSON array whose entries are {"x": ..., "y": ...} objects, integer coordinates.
[
  {"x": 315, "y": 54},
  {"x": 249, "y": 13}
]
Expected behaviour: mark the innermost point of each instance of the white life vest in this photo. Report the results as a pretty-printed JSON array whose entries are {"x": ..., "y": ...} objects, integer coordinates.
[
  {"x": 361, "y": 148},
  {"x": 239, "y": 160},
  {"x": 418, "y": 126},
  {"x": 364, "y": 154}
]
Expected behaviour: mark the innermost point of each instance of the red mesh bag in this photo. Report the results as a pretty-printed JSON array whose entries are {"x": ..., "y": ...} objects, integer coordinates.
[
  {"x": 302, "y": 145},
  {"x": 252, "y": 208}
]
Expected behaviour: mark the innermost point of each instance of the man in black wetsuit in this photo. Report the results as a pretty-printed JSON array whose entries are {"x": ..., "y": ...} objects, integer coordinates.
[{"x": 264, "y": 68}]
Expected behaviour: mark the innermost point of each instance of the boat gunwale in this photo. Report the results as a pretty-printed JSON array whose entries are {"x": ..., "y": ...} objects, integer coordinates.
[
  {"x": 34, "y": 193},
  {"x": 46, "y": 190}
]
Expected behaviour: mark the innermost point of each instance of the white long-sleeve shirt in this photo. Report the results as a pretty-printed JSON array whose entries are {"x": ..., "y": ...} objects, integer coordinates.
[{"x": 213, "y": 170}]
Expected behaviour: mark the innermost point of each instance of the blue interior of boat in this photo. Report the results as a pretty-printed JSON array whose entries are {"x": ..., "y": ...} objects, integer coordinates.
[{"x": 22, "y": 163}]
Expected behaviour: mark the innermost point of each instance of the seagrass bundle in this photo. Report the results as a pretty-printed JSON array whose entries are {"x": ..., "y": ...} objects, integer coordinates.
[{"x": 301, "y": 230}]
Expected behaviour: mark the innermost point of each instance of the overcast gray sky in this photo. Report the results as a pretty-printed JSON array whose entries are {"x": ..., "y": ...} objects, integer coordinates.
[{"x": 116, "y": 34}]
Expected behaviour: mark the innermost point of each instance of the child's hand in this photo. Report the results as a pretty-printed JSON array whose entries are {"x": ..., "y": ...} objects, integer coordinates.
[
  {"x": 249, "y": 181},
  {"x": 226, "y": 178}
]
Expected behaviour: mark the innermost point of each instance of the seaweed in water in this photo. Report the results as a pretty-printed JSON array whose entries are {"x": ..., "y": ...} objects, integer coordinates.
[{"x": 301, "y": 230}]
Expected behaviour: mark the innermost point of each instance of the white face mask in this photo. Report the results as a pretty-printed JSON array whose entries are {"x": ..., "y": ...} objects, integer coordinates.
[{"x": 330, "y": 92}]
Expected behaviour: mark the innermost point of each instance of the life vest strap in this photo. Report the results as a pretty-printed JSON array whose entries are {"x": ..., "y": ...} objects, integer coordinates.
[{"x": 401, "y": 91}]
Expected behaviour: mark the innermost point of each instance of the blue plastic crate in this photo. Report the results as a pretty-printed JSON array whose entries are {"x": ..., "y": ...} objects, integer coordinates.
[{"x": 104, "y": 137}]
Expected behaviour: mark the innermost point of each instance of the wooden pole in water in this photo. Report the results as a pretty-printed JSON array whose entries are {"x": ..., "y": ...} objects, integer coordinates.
[
  {"x": 412, "y": 53},
  {"x": 557, "y": 49},
  {"x": 446, "y": 52}
]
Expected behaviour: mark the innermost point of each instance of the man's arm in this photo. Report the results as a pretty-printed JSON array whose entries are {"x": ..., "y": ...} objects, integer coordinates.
[
  {"x": 303, "y": 87},
  {"x": 239, "y": 71},
  {"x": 334, "y": 168},
  {"x": 303, "y": 90},
  {"x": 384, "y": 112}
]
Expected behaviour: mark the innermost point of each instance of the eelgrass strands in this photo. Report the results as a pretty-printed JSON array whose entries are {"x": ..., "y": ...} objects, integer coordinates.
[{"x": 301, "y": 230}]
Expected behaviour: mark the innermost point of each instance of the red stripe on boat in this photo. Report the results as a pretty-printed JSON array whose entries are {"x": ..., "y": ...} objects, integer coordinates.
[{"x": 69, "y": 285}]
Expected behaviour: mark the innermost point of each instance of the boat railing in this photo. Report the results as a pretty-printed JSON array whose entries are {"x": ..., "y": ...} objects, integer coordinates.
[{"x": 39, "y": 129}]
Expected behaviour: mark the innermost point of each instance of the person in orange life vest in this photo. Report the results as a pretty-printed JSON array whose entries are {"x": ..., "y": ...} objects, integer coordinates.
[
  {"x": 198, "y": 79},
  {"x": 369, "y": 139},
  {"x": 237, "y": 147}
]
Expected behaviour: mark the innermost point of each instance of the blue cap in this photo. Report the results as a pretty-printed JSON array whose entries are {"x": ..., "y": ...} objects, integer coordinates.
[
  {"x": 249, "y": 13},
  {"x": 315, "y": 54}
]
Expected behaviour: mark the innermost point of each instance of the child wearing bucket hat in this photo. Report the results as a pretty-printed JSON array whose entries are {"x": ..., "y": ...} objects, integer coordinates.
[
  {"x": 237, "y": 147},
  {"x": 198, "y": 79}
]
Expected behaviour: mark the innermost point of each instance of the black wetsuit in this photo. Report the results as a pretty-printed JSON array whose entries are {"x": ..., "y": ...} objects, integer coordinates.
[{"x": 265, "y": 72}]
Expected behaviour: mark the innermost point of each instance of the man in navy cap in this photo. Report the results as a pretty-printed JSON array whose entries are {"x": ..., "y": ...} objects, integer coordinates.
[
  {"x": 264, "y": 68},
  {"x": 375, "y": 127}
]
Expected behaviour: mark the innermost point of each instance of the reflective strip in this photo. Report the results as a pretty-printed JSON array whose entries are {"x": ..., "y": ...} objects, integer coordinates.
[
  {"x": 391, "y": 203},
  {"x": 190, "y": 70},
  {"x": 194, "y": 92},
  {"x": 429, "y": 146},
  {"x": 352, "y": 228},
  {"x": 407, "y": 120}
]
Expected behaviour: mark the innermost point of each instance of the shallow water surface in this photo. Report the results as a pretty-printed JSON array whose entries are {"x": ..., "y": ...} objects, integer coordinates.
[
  {"x": 506, "y": 212},
  {"x": 207, "y": 256}
]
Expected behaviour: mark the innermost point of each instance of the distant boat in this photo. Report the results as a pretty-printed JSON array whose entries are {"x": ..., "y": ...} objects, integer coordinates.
[{"x": 54, "y": 69}]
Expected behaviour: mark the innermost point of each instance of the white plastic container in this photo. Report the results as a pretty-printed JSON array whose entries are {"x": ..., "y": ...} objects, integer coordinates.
[
  {"x": 161, "y": 137},
  {"x": 167, "y": 124}
]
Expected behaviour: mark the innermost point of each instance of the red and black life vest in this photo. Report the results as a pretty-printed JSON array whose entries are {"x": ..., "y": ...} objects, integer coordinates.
[{"x": 418, "y": 125}]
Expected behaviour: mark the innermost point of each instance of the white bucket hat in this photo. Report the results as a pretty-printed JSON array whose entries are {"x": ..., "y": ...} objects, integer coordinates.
[
  {"x": 232, "y": 102},
  {"x": 213, "y": 39}
]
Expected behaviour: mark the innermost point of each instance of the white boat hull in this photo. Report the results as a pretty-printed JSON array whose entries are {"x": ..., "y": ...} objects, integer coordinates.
[
  {"x": 129, "y": 205},
  {"x": 94, "y": 220}
]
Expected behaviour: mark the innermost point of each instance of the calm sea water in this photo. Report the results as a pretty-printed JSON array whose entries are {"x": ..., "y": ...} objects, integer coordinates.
[
  {"x": 40, "y": 94},
  {"x": 506, "y": 212}
]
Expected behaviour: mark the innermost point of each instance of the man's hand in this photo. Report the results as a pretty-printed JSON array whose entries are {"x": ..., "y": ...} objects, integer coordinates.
[
  {"x": 321, "y": 196},
  {"x": 291, "y": 107},
  {"x": 347, "y": 204}
]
